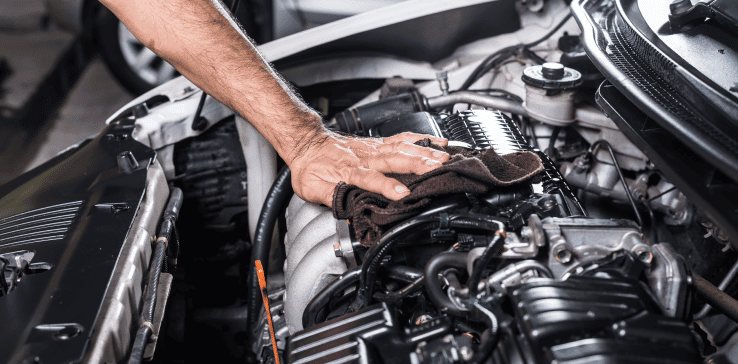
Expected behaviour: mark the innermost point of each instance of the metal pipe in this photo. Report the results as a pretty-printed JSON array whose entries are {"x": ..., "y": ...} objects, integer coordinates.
[
  {"x": 718, "y": 299},
  {"x": 468, "y": 97},
  {"x": 723, "y": 285}
]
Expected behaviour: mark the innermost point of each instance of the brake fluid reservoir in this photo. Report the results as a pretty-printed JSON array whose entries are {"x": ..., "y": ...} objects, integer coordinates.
[{"x": 549, "y": 93}]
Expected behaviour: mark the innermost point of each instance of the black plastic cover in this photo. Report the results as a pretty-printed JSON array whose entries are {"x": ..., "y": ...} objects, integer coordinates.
[
  {"x": 370, "y": 335},
  {"x": 419, "y": 123},
  {"x": 599, "y": 320},
  {"x": 74, "y": 212}
]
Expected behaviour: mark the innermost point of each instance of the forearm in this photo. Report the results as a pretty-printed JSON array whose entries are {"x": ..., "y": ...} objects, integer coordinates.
[{"x": 200, "y": 40}]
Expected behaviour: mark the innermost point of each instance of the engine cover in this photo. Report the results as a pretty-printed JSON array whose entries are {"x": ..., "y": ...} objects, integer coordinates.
[{"x": 591, "y": 319}]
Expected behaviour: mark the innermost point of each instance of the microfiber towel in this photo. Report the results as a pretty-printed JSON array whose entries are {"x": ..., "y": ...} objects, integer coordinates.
[{"x": 467, "y": 171}]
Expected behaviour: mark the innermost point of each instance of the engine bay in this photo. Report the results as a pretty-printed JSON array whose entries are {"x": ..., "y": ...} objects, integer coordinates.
[{"x": 611, "y": 252}]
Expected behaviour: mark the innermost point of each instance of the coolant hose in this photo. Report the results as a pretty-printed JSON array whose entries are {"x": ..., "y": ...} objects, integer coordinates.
[
  {"x": 718, "y": 299},
  {"x": 279, "y": 194},
  {"x": 435, "y": 265}
]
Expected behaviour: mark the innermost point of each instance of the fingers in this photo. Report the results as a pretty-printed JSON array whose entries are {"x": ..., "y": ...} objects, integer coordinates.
[
  {"x": 412, "y": 138},
  {"x": 412, "y": 149},
  {"x": 374, "y": 181},
  {"x": 400, "y": 162}
]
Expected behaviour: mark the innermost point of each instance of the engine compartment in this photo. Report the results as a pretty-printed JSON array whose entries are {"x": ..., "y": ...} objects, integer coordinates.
[
  {"x": 560, "y": 285},
  {"x": 611, "y": 254}
]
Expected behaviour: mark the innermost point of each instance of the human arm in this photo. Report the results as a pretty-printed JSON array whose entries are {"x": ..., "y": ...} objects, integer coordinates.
[{"x": 201, "y": 40}]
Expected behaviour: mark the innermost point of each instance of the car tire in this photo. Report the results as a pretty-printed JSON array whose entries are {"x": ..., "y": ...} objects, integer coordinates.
[{"x": 134, "y": 66}]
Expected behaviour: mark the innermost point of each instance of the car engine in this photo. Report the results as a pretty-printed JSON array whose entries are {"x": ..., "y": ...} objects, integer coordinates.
[{"x": 564, "y": 286}]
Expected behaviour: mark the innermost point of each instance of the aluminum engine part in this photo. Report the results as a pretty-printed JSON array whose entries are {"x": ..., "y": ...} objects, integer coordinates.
[
  {"x": 602, "y": 179},
  {"x": 668, "y": 278},
  {"x": 120, "y": 311},
  {"x": 575, "y": 242},
  {"x": 312, "y": 234},
  {"x": 262, "y": 346}
]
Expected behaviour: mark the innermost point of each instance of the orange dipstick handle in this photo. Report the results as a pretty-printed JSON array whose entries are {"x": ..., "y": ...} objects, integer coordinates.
[{"x": 265, "y": 297}]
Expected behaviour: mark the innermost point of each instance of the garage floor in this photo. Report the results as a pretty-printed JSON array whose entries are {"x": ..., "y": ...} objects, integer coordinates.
[{"x": 35, "y": 125}]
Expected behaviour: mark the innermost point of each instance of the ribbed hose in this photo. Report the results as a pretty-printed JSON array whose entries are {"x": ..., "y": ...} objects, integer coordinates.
[
  {"x": 139, "y": 344},
  {"x": 718, "y": 299},
  {"x": 157, "y": 261},
  {"x": 279, "y": 194}
]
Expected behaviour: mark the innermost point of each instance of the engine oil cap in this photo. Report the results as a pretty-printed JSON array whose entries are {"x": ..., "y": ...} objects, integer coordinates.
[{"x": 552, "y": 76}]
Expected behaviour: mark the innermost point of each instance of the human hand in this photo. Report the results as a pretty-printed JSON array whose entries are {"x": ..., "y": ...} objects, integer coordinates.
[{"x": 328, "y": 158}]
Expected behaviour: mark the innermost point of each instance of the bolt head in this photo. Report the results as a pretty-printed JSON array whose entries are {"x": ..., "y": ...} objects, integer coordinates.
[{"x": 466, "y": 353}]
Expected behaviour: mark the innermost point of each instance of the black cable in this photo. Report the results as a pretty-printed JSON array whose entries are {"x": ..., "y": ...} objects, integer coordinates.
[
  {"x": 532, "y": 128},
  {"x": 620, "y": 174},
  {"x": 375, "y": 254},
  {"x": 401, "y": 293},
  {"x": 509, "y": 94},
  {"x": 533, "y": 56},
  {"x": 497, "y": 57},
  {"x": 489, "y": 338},
  {"x": 487, "y": 64},
  {"x": 493, "y": 248},
  {"x": 550, "y": 33},
  {"x": 661, "y": 194},
  {"x": 552, "y": 142},
  {"x": 652, "y": 219},
  {"x": 279, "y": 194}
]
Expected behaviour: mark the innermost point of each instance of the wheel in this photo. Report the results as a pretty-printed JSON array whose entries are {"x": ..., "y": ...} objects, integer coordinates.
[{"x": 135, "y": 67}]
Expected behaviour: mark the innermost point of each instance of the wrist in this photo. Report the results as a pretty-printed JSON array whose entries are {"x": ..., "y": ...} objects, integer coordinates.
[{"x": 303, "y": 134}]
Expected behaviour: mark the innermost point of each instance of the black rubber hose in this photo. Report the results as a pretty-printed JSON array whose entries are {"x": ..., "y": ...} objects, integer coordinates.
[
  {"x": 493, "y": 248},
  {"x": 435, "y": 265},
  {"x": 375, "y": 254},
  {"x": 718, "y": 299},
  {"x": 402, "y": 293},
  {"x": 402, "y": 272},
  {"x": 488, "y": 340},
  {"x": 312, "y": 313},
  {"x": 279, "y": 194}
]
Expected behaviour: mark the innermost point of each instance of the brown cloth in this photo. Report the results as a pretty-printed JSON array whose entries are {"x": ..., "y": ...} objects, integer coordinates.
[{"x": 467, "y": 171}]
